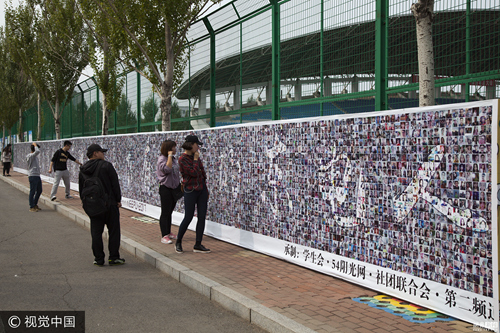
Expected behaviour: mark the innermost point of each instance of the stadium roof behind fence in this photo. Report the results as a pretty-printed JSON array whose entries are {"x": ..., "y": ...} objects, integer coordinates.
[{"x": 351, "y": 50}]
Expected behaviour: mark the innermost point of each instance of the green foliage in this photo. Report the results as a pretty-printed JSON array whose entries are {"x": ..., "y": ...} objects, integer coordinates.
[
  {"x": 16, "y": 90},
  {"x": 104, "y": 55},
  {"x": 153, "y": 37},
  {"x": 92, "y": 117},
  {"x": 150, "y": 111},
  {"x": 58, "y": 53},
  {"x": 125, "y": 117},
  {"x": 180, "y": 125},
  {"x": 24, "y": 43}
]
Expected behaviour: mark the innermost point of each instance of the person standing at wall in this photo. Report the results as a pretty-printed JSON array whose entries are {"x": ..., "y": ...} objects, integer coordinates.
[
  {"x": 59, "y": 163},
  {"x": 7, "y": 159},
  {"x": 195, "y": 192},
  {"x": 111, "y": 217},
  {"x": 34, "y": 177},
  {"x": 167, "y": 171}
]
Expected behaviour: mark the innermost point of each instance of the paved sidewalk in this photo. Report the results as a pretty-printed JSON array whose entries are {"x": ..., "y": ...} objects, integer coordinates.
[{"x": 315, "y": 301}]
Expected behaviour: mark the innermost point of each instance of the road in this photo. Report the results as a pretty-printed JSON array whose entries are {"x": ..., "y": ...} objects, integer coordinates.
[{"x": 46, "y": 264}]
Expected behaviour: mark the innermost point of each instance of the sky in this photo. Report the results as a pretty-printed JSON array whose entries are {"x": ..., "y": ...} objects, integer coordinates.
[{"x": 88, "y": 71}]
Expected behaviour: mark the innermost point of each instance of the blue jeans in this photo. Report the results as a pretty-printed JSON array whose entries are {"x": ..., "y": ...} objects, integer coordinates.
[
  {"x": 35, "y": 190},
  {"x": 192, "y": 199}
]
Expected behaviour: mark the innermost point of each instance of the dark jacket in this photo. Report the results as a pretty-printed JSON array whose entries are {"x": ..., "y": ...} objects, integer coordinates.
[
  {"x": 108, "y": 177},
  {"x": 193, "y": 173},
  {"x": 60, "y": 158}
]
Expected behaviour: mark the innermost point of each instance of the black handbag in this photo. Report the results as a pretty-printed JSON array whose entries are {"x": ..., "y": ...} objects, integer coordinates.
[{"x": 178, "y": 192}]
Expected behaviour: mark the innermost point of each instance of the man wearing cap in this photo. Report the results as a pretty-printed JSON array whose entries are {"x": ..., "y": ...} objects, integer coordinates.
[
  {"x": 58, "y": 162},
  {"x": 111, "y": 218}
]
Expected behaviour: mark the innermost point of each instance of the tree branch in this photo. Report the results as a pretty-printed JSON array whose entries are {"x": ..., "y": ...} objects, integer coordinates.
[{"x": 134, "y": 38}]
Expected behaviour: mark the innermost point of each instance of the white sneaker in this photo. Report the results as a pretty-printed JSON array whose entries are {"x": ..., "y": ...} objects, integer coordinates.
[
  {"x": 166, "y": 240},
  {"x": 53, "y": 199}
]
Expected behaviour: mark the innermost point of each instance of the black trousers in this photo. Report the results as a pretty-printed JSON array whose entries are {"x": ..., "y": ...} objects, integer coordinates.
[
  {"x": 6, "y": 168},
  {"x": 192, "y": 199},
  {"x": 112, "y": 220},
  {"x": 168, "y": 203}
]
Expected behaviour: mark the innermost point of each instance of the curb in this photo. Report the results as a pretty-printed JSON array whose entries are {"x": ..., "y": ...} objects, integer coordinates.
[{"x": 233, "y": 301}]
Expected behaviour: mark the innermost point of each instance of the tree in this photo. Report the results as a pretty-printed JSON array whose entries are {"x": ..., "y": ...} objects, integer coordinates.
[
  {"x": 179, "y": 125},
  {"x": 423, "y": 12},
  {"x": 24, "y": 48},
  {"x": 125, "y": 116},
  {"x": 90, "y": 117},
  {"x": 155, "y": 40},
  {"x": 16, "y": 85},
  {"x": 8, "y": 109},
  {"x": 103, "y": 57},
  {"x": 62, "y": 49},
  {"x": 149, "y": 111}
]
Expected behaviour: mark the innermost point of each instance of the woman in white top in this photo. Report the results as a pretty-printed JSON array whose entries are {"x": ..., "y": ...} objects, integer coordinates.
[{"x": 7, "y": 159}]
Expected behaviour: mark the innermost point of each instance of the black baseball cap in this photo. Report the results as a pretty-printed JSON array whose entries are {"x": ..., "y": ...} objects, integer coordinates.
[
  {"x": 93, "y": 148},
  {"x": 193, "y": 139}
]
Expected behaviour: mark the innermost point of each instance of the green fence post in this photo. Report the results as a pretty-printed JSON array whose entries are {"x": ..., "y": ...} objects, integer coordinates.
[
  {"x": 97, "y": 111},
  {"x": 381, "y": 55},
  {"x": 321, "y": 55},
  {"x": 276, "y": 59},
  {"x": 212, "y": 71},
  {"x": 138, "y": 103},
  {"x": 240, "y": 107},
  {"x": 71, "y": 117},
  {"x": 467, "y": 50}
]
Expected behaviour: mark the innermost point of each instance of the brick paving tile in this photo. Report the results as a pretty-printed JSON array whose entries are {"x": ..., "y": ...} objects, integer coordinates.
[
  {"x": 347, "y": 330},
  {"x": 321, "y": 319},
  {"x": 407, "y": 327},
  {"x": 368, "y": 325},
  {"x": 462, "y": 329},
  {"x": 438, "y": 330},
  {"x": 296, "y": 292},
  {"x": 381, "y": 330},
  {"x": 364, "y": 330},
  {"x": 322, "y": 329},
  {"x": 350, "y": 325}
]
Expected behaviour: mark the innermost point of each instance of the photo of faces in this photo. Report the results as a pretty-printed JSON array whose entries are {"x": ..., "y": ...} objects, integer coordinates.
[{"x": 411, "y": 192}]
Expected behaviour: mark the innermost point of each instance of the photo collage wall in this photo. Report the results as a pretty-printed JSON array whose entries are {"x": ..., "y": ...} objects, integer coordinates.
[{"x": 407, "y": 191}]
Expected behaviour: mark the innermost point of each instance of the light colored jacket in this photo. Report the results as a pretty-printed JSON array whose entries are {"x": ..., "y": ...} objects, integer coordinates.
[
  {"x": 33, "y": 166},
  {"x": 6, "y": 157},
  {"x": 170, "y": 177}
]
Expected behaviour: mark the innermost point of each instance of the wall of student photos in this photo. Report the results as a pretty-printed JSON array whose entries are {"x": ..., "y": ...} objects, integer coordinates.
[{"x": 398, "y": 201}]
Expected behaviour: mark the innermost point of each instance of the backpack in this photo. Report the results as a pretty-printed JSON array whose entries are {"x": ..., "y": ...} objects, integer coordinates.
[{"x": 94, "y": 197}]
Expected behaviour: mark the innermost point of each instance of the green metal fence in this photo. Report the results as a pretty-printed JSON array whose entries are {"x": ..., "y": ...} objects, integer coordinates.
[{"x": 257, "y": 60}]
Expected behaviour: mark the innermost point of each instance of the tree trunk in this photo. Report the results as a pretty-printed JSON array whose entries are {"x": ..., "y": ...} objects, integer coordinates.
[
  {"x": 423, "y": 12},
  {"x": 167, "y": 85},
  {"x": 105, "y": 115},
  {"x": 39, "y": 120},
  {"x": 57, "y": 121},
  {"x": 20, "y": 133},
  {"x": 165, "y": 106},
  {"x": 105, "y": 89}
]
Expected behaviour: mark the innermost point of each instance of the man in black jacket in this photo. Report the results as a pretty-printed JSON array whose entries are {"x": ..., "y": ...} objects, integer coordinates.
[
  {"x": 59, "y": 163},
  {"x": 111, "y": 218}
]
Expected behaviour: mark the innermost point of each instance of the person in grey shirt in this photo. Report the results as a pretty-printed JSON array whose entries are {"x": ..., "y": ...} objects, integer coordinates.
[
  {"x": 167, "y": 171},
  {"x": 34, "y": 177}
]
